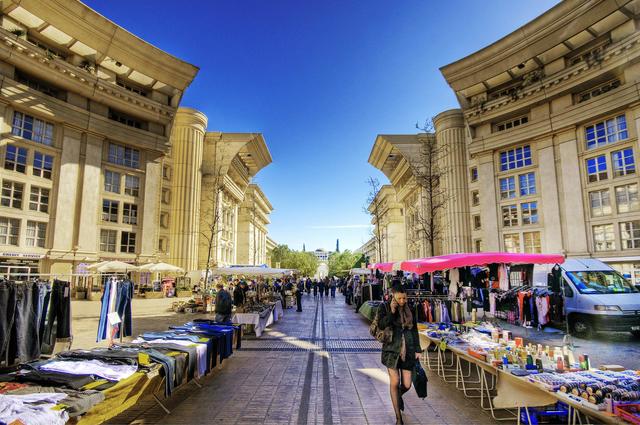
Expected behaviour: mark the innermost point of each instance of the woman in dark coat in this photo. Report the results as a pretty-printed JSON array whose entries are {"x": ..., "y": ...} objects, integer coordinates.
[{"x": 399, "y": 355}]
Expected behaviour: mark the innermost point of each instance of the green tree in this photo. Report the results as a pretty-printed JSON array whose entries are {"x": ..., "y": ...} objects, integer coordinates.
[
  {"x": 341, "y": 262},
  {"x": 279, "y": 255},
  {"x": 304, "y": 262}
]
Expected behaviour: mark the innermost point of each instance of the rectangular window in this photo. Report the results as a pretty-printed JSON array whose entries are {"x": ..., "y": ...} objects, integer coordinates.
[
  {"x": 126, "y": 119},
  {"x": 515, "y": 158},
  {"x": 9, "y": 231},
  {"x": 32, "y": 128},
  {"x": 512, "y": 242},
  {"x": 630, "y": 234},
  {"x": 15, "y": 159},
  {"x": 532, "y": 242},
  {"x": 129, "y": 213},
  {"x": 478, "y": 245},
  {"x": 36, "y": 234},
  {"x": 627, "y": 198},
  {"x": 506, "y": 125},
  {"x": 477, "y": 225},
  {"x": 508, "y": 188},
  {"x": 164, "y": 220},
  {"x": 604, "y": 238},
  {"x": 39, "y": 199},
  {"x": 11, "y": 194},
  {"x": 474, "y": 174},
  {"x": 111, "y": 181},
  {"x": 39, "y": 85},
  {"x": 597, "y": 168},
  {"x": 166, "y": 172},
  {"x": 166, "y": 196},
  {"x": 42, "y": 165},
  {"x": 109, "y": 211},
  {"x": 529, "y": 213},
  {"x": 527, "y": 184},
  {"x": 475, "y": 198},
  {"x": 131, "y": 87},
  {"x": 510, "y": 215},
  {"x": 597, "y": 91},
  {"x": 125, "y": 156},
  {"x": 128, "y": 242},
  {"x": 162, "y": 245},
  {"x": 605, "y": 132},
  {"x": 108, "y": 240},
  {"x": 600, "y": 203},
  {"x": 623, "y": 163},
  {"x": 131, "y": 185}
]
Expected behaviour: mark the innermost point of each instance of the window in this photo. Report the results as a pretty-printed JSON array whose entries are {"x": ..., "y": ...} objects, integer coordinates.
[
  {"x": 39, "y": 85},
  {"x": 131, "y": 87},
  {"x": 131, "y": 185},
  {"x": 529, "y": 213},
  {"x": 527, "y": 184},
  {"x": 166, "y": 172},
  {"x": 515, "y": 158},
  {"x": 36, "y": 233},
  {"x": 532, "y": 242},
  {"x": 109, "y": 211},
  {"x": 477, "y": 225},
  {"x": 32, "y": 128},
  {"x": 166, "y": 196},
  {"x": 108, "y": 240},
  {"x": 162, "y": 245},
  {"x": 51, "y": 51},
  {"x": 42, "y": 165},
  {"x": 510, "y": 215},
  {"x": 125, "y": 119},
  {"x": 508, "y": 188},
  {"x": 121, "y": 155},
  {"x": 11, "y": 194},
  {"x": 623, "y": 163},
  {"x": 597, "y": 168},
  {"x": 512, "y": 242},
  {"x": 627, "y": 198},
  {"x": 111, "y": 181},
  {"x": 478, "y": 245},
  {"x": 597, "y": 91},
  {"x": 128, "y": 242},
  {"x": 15, "y": 159},
  {"x": 9, "y": 231},
  {"x": 605, "y": 132},
  {"x": 506, "y": 125},
  {"x": 129, "y": 213},
  {"x": 604, "y": 238},
  {"x": 475, "y": 198},
  {"x": 630, "y": 234},
  {"x": 474, "y": 174},
  {"x": 39, "y": 199},
  {"x": 600, "y": 203},
  {"x": 164, "y": 220}
]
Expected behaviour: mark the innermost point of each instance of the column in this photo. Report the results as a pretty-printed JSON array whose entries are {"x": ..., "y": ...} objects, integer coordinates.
[
  {"x": 187, "y": 145},
  {"x": 572, "y": 204},
  {"x": 552, "y": 236},
  {"x": 151, "y": 207},
  {"x": 450, "y": 136},
  {"x": 488, "y": 202},
  {"x": 90, "y": 206}
]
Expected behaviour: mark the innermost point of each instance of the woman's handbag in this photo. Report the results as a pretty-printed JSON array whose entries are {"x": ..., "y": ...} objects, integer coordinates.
[
  {"x": 382, "y": 335},
  {"x": 420, "y": 380}
]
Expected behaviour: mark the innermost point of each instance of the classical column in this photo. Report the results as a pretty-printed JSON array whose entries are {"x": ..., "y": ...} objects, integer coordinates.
[
  {"x": 187, "y": 144},
  {"x": 450, "y": 134},
  {"x": 552, "y": 241},
  {"x": 150, "y": 207},
  {"x": 488, "y": 202},
  {"x": 91, "y": 202}
]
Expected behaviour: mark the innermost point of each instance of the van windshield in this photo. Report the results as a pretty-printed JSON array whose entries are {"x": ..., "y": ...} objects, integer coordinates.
[{"x": 601, "y": 282}]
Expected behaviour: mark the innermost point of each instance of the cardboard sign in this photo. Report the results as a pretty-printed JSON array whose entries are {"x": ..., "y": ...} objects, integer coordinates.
[{"x": 113, "y": 318}]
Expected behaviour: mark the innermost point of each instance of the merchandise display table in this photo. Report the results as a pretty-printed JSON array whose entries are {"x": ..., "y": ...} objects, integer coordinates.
[{"x": 260, "y": 321}]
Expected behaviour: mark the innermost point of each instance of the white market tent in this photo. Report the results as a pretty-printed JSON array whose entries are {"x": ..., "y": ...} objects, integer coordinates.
[
  {"x": 360, "y": 271},
  {"x": 161, "y": 268},
  {"x": 249, "y": 271},
  {"x": 113, "y": 267}
]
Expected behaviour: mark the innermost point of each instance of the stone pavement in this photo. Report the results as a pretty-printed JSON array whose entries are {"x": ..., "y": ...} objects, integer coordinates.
[{"x": 316, "y": 367}]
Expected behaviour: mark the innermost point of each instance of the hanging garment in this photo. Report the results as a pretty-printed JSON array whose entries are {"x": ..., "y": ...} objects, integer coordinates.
[
  {"x": 503, "y": 276},
  {"x": 492, "y": 303},
  {"x": 542, "y": 303},
  {"x": 453, "y": 290}
]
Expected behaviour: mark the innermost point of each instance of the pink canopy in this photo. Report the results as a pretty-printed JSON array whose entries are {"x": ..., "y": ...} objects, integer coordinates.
[
  {"x": 383, "y": 267},
  {"x": 445, "y": 262}
]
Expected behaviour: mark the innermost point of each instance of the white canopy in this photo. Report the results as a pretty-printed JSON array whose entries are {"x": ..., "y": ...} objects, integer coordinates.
[
  {"x": 94, "y": 266},
  {"x": 114, "y": 267},
  {"x": 249, "y": 271},
  {"x": 161, "y": 268},
  {"x": 360, "y": 271}
]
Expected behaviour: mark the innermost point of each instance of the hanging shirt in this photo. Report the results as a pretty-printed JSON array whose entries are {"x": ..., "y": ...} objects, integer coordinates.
[
  {"x": 492, "y": 303},
  {"x": 453, "y": 290},
  {"x": 503, "y": 277},
  {"x": 543, "y": 309}
]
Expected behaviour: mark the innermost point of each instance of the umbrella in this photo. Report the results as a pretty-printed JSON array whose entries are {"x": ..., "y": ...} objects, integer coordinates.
[
  {"x": 161, "y": 268},
  {"x": 116, "y": 267},
  {"x": 94, "y": 266}
]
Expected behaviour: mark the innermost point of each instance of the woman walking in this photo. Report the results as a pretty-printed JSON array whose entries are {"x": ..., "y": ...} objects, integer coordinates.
[{"x": 399, "y": 355}]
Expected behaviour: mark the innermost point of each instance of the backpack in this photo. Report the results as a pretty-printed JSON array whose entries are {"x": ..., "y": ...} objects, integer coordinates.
[{"x": 382, "y": 335}]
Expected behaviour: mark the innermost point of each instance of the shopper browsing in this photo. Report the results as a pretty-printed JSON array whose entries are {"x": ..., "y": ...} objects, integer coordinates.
[{"x": 224, "y": 304}]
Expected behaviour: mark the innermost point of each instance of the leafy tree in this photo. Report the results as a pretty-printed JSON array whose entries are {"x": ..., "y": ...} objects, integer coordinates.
[
  {"x": 304, "y": 262},
  {"x": 279, "y": 254},
  {"x": 341, "y": 262}
]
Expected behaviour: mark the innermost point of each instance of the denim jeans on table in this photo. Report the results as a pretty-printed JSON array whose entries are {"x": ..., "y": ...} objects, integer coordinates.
[
  {"x": 123, "y": 307},
  {"x": 19, "y": 339}
]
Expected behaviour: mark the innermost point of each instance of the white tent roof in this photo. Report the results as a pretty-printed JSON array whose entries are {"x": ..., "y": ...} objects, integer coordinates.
[
  {"x": 115, "y": 267},
  {"x": 249, "y": 271},
  {"x": 161, "y": 268}
]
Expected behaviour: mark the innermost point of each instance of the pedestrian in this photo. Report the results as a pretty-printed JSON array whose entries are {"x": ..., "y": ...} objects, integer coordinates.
[
  {"x": 299, "y": 289},
  {"x": 321, "y": 287},
  {"x": 238, "y": 297},
  {"x": 333, "y": 288},
  {"x": 399, "y": 355},
  {"x": 315, "y": 288},
  {"x": 224, "y": 304},
  {"x": 308, "y": 286},
  {"x": 326, "y": 287}
]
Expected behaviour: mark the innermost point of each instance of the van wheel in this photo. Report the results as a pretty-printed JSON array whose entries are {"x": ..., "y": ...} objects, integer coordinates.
[{"x": 582, "y": 327}]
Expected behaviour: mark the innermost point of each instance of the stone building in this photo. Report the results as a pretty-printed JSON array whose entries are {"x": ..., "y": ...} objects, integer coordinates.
[
  {"x": 86, "y": 110},
  {"x": 252, "y": 227}
]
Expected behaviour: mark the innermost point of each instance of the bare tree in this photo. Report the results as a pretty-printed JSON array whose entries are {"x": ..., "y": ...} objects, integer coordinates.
[
  {"x": 213, "y": 187},
  {"x": 429, "y": 169},
  {"x": 374, "y": 208}
]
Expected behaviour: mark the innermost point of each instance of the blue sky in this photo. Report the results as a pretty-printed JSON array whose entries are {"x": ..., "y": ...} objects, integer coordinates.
[{"x": 320, "y": 79}]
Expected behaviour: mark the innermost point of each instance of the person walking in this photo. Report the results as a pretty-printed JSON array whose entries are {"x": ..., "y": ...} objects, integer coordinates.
[
  {"x": 333, "y": 288},
  {"x": 315, "y": 288},
  {"x": 321, "y": 287},
  {"x": 326, "y": 286},
  {"x": 401, "y": 353},
  {"x": 299, "y": 290},
  {"x": 307, "y": 285},
  {"x": 224, "y": 304}
]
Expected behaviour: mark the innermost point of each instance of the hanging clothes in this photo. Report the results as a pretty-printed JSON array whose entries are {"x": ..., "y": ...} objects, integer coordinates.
[{"x": 503, "y": 277}]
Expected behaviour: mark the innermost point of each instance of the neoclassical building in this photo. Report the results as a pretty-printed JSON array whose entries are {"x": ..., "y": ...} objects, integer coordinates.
[
  {"x": 86, "y": 110},
  {"x": 252, "y": 227}
]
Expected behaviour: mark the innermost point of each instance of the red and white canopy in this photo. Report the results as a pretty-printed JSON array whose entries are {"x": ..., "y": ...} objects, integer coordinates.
[{"x": 446, "y": 262}]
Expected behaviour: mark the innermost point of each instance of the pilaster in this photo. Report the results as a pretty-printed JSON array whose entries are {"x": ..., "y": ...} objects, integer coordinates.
[{"x": 90, "y": 205}]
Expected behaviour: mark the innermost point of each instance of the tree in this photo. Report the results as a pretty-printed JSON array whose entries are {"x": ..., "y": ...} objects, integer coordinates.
[
  {"x": 279, "y": 254},
  {"x": 341, "y": 262},
  {"x": 304, "y": 262},
  {"x": 429, "y": 171},
  {"x": 211, "y": 226},
  {"x": 374, "y": 208}
]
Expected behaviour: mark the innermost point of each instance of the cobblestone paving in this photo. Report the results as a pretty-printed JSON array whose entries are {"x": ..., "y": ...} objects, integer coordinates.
[{"x": 315, "y": 367}]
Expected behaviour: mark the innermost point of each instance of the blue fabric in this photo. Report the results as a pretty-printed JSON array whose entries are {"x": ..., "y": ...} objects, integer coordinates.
[
  {"x": 123, "y": 307},
  {"x": 104, "y": 311}
]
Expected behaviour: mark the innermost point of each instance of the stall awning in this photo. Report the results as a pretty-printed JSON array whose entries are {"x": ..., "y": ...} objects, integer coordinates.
[
  {"x": 446, "y": 262},
  {"x": 249, "y": 271}
]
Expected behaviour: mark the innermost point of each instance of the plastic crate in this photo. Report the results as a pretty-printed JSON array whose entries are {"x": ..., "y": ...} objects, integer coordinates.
[{"x": 629, "y": 413}]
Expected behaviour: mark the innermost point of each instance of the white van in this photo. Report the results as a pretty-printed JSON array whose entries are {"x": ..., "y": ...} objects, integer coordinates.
[{"x": 596, "y": 297}]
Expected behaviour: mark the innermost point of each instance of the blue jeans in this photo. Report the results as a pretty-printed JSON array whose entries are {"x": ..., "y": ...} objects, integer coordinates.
[{"x": 123, "y": 307}]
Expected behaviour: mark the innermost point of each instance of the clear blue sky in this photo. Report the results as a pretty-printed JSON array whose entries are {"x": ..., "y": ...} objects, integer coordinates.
[{"x": 320, "y": 79}]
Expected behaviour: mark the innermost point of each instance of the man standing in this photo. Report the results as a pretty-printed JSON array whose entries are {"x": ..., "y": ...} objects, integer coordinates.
[
  {"x": 333, "y": 288},
  {"x": 299, "y": 289},
  {"x": 223, "y": 304},
  {"x": 321, "y": 287}
]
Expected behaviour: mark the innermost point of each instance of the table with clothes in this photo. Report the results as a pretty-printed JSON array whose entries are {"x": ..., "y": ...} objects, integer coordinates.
[
  {"x": 94, "y": 385},
  {"x": 260, "y": 320}
]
